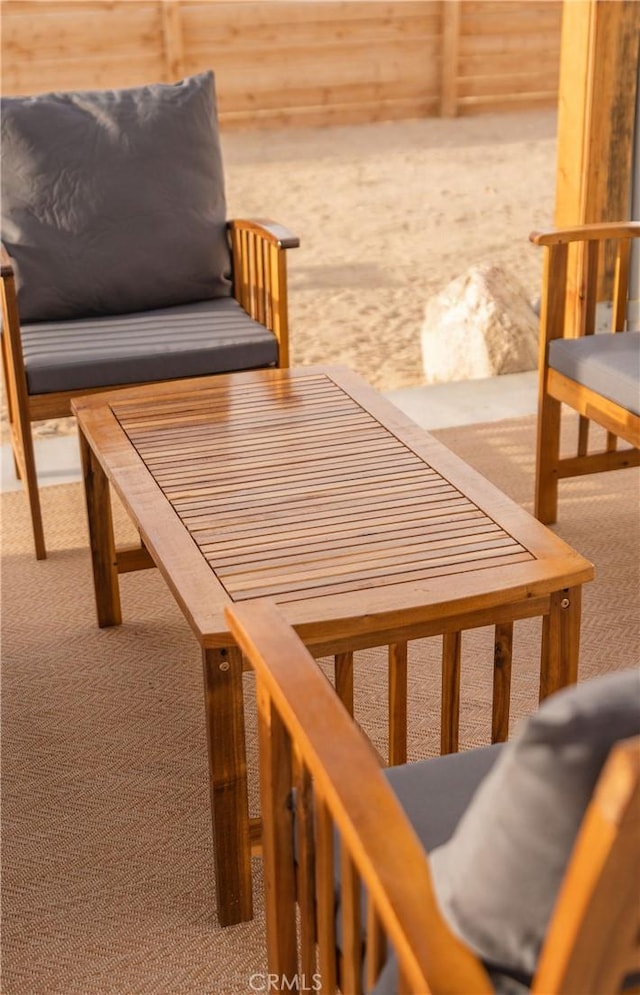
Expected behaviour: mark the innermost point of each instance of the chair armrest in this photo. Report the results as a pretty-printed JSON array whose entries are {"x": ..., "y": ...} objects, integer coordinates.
[
  {"x": 586, "y": 233},
  {"x": 348, "y": 780},
  {"x": 271, "y": 231},
  {"x": 564, "y": 270},
  {"x": 258, "y": 257}
]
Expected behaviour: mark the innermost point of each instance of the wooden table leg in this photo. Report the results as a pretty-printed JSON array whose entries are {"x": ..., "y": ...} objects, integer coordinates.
[
  {"x": 450, "y": 711},
  {"x": 398, "y": 703},
  {"x": 560, "y": 641},
  {"x": 502, "y": 656},
  {"x": 343, "y": 669},
  {"x": 101, "y": 540},
  {"x": 224, "y": 712}
]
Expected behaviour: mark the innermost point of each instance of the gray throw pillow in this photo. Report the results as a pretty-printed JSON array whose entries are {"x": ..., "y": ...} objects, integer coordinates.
[
  {"x": 113, "y": 201},
  {"x": 498, "y": 876}
]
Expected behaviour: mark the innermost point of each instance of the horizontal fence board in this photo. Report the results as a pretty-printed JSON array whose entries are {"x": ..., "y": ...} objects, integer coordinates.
[
  {"x": 526, "y": 19},
  {"x": 289, "y": 68},
  {"x": 358, "y": 52},
  {"x": 497, "y": 105},
  {"x": 334, "y": 114},
  {"x": 131, "y": 30},
  {"x": 49, "y": 8},
  {"x": 294, "y": 61},
  {"x": 309, "y": 96},
  {"x": 75, "y": 74},
  {"x": 491, "y": 8},
  {"x": 522, "y": 45},
  {"x": 507, "y": 63},
  {"x": 203, "y": 31},
  {"x": 244, "y": 16},
  {"x": 516, "y": 85}
]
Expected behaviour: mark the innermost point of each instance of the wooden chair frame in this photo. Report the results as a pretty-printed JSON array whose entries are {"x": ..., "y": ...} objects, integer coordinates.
[
  {"x": 555, "y": 389},
  {"x": 259, "y": 275},
  {"x": 592, "y": 943}
]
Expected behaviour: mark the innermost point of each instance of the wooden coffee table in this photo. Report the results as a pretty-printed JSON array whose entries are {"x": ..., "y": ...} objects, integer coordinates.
[{"x": 307, "y": 488}]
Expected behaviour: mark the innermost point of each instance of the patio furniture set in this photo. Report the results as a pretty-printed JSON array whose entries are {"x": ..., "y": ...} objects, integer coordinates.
[{"x": 295, "y": 514}]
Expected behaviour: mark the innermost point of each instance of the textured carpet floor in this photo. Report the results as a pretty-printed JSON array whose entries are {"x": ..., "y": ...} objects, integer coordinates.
[{"x": 106, "y": 845}]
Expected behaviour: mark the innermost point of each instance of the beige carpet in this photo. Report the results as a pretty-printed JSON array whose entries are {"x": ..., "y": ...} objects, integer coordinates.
[{"x": 106, "y": 856}]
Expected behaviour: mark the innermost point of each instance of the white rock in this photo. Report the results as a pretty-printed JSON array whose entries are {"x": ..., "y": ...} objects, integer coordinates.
[{"x": 480, "y": 325}]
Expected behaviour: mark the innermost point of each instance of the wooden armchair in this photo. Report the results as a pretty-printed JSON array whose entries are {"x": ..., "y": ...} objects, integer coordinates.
[
  {"x": 348, "y": 852},
  {"x": 597, "y": 375},
  {"x": 118, "y": 263}
]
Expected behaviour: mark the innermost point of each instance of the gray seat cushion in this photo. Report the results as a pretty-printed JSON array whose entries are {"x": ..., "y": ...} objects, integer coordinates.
[
  {"x": 498, "y": 875},
  {"x": 113, "y": 201},
  {"x": 449, "y": 781},
  {"x": 189, "y": 340},
  {"x": 606, "y": 363}
]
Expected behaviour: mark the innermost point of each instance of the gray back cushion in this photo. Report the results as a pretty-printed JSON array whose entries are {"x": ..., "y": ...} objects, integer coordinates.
[
  {"x": 498, "y": 876},
  {"x": 113, "y": 201}
]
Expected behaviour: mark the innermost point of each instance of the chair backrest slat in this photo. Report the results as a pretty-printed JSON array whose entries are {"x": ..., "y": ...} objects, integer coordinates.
[
  {"x": 305, "y": 865},
  {"x": 591, "y": 287},
  {"x": 325, "y": 877},
  {"x": 239, "y": 238},
  {"x": 277, "y": 837},
  {"x": 621, "y": 285},
  {"x": 587, "y": 317},
  {"x": 554, "y": 302},
  {"x": 350, "y": 914}
]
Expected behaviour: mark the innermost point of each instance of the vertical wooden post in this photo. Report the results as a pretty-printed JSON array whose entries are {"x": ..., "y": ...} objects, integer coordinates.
[
  {"x": 449, "y": 66},
  {"x": 171, "y": 14},
  {"x": 450, "y": 707},
  {"x": 343, "y": 670},
  {"x": 600, "y": 51},
  {"x": 397, "y": 667},
  {"x": 502, "y": 660}
]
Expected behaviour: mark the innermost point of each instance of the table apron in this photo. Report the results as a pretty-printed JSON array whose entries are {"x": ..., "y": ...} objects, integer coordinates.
[{"x": 530, "y": 608}]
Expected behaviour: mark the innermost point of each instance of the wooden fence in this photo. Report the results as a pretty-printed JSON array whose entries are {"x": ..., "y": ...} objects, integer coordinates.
[{"x": 305, "y": 62}]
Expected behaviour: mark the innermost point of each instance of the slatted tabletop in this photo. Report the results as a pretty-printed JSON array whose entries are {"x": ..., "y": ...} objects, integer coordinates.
[
  {"x": 300, "y": 492},
  {"x": 308, "y": 488}
]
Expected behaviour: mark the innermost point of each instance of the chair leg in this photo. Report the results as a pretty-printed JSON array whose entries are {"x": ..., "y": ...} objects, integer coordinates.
[
  {"x": 17, "y": 400},
  {"x": 24, "y": 459},
  {"x": 547, "y": 456}
]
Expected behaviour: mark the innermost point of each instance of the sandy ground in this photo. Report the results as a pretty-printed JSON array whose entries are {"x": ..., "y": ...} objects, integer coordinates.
[{"x": 387, "y": 215}]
